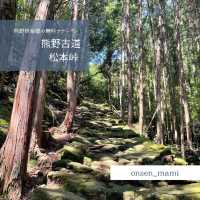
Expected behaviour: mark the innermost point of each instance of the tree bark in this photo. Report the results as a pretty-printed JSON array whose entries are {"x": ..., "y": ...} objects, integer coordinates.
[
  {"x": 159, "y": 128},
  {"x": 39, "y": 103},
  {"x": 122, "y": 83},
  {"x": 71, "y": 85},
  {"x": 14, "y": 153},
  {"x": 72, "y": 100},
  {"x": 142, "y": 69},
  {"x": 36, "y": 136},
  {"x": 182, "y": 79},
  {"x": 126, "y": 38}
]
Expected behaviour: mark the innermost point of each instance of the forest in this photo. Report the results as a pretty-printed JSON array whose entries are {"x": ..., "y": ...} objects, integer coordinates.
[{"x": 136, "y": 103}]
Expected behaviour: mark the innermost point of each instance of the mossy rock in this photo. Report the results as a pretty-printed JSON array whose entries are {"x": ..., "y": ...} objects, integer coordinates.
[
  {"x": 113, "y": 122},
  {"x": 115, "y": 191},
  {"x": 167, "y": 197},
  {"x": 123, "y": 161},
  {"x": 162, "y": 183},
  {"x": 180, "y": 161},
  {"x": 161, "y": 197},
  {"x": 118, "y": 132},
  {"x": 58, "y": 176},
  {"x": 174, "y": 192},
  {"x": 87, "y": 185},
  {"x": 85, "y": 132},
  {"x": 87, "y": 161},
  {"x": 110, "y": 148},
  {"x": 81, "y": 139},
  {"x": 94, "y": 190},
  {"x": 167, "y": 151},
  {"x": 54, "y": 192},
  {"x": 131, "y": 195},
  {"x": 60, "y": 163},
  {"x": 78, "y": 167},
  {"x": 73, "y": 153},
  {"x": 79, "y": 183},
  {"x": 147, "y": 161},
  {"x": 103, "y": 167}
]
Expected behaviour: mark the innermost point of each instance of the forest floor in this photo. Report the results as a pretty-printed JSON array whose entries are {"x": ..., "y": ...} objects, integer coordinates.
[
  {"x": 81, "y": 170},
  {"x": 80, "y": 167}
]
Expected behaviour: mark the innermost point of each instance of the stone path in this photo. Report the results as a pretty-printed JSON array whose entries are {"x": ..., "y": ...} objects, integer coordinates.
[{"x": 82, "y": 171}]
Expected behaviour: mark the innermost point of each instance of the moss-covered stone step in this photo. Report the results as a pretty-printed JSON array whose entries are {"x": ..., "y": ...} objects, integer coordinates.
[
  {"x": 169, "y": 192},
  {"x": 78, "y": 167},
  {"x": 54, "y": 192},
  {"x": 74, "y": 151},
  {"x": 86, "y": 184}
]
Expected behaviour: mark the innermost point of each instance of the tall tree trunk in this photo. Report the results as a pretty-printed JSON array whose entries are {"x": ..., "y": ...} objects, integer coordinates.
[
  {"x": 71, "y": 84},
  {"x": 123, "y": 66},
  {"x": 141, "y": 63},
  {"x": 182, "y": 79},
  {"x": 159, "y": 133},
  {"x": 126, "y": 35},
  {"x": 36, "y": 136},
  {"x": 39, "y": 103},
  {"x": 106, "y": 67},
  {"x": 14, "y": 153},
  {"x": 72, "y": 100},
  {"x": 109, "y": 89},
  {"x": 122, "y": 83}
]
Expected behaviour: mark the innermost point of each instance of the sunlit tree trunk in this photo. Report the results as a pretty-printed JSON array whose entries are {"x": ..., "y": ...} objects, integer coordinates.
[
  {"x": 142, "y": 68},
  {"x": 71, "y": 84},
  {"x": 158, "y": 63},
  {"x": 39, "y": 103},
  {"x": 14, "y": 153},
  {"x": 126, "y": 35},
  {"x": 72, "y": 100},
  {"x": 122, "y": 70},
  {"x": 182, "y": 78}
]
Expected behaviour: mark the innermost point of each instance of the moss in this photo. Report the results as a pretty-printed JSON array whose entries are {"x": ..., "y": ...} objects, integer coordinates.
[
  {"x": 73, "y": 153},
  {"x": 180, "y": 161},
  {"x": 131, "y": 195},
  {"x": 93, "y": 188},
  {"x": 3, "y": 122},
  {"x": 85, "y": 184},
  {"x": 60, "y": 163},
  {"x": 141, "y": 139},
  {"x": 192, "y": 190},
  {"x": 157, "y": 147},
  {"x": 54, "y": 192},
  {"x": 32, "y": 163},
  {"x": 59, "y": 177},
  {"x": 81, "y": 139},
  {"x": 87, "y": 161},
  {"x": 116, "y": 191},
  {"x": 78, "y": 167},
  {"x": 167, "y": 197},
  {"x": 5, "y": 112},
  {"x": 40, "y": 194}
]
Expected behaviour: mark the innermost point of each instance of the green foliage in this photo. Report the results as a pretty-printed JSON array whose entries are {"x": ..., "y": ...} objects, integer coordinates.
[{"x": 95, "y": 86}]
